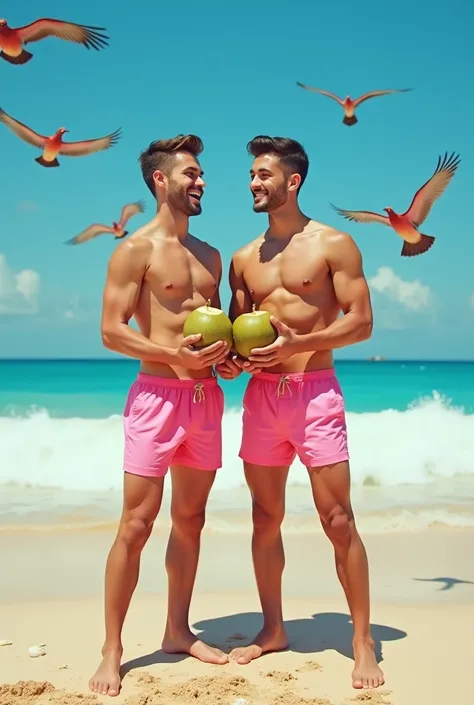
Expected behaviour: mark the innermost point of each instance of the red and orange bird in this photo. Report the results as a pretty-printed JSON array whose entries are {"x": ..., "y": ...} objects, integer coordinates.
[
  {"x": 116, "y": 229},
  {"x": 12, "y": 40},
  {"x": 348, "y": 104},
  {"x": 406, "y": 224},
  {"x": 54, "y": 145}
]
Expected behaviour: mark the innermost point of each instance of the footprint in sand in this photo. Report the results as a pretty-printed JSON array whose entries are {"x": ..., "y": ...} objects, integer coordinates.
[
  {"x": 377, "y": 697},
  {"x": 280, "y": 677},
  {"x": 309, "y": 666}
]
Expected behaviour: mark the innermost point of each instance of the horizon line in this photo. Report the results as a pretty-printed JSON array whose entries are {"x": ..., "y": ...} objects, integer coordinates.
[{"x": 130, "y": 360}]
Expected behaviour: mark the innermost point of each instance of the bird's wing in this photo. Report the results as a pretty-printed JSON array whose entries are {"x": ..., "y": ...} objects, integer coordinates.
[
  {"x": 89, "y": 233},
  {"x": 129, "y": 210},
  {"x": 425, "y": 197},
  {"x": 374, "y": 94},
  {"x": 80, "y": 149},
  {"x": 90, "y": 37},
  {"x": 362, "y": 216},
  {"x": 21, "y": 130},
  {"x": 320, "y": 90}
]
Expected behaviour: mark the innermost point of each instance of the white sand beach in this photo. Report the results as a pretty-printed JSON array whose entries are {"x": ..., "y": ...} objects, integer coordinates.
[{"x": 422, "y": 616}]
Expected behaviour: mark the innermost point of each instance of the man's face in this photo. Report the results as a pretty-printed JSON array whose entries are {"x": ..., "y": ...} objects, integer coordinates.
[
  {"x": 268, "y": 184},
  {"x": 185, "y": 185}
]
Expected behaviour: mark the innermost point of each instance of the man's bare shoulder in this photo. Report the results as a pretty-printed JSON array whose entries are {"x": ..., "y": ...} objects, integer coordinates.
[
  {"x": 336, "y": 242},
  {"x": 241, "y": 256},
  {"x": 132, "y": 252},
  {"x": 341, "y": 252}
]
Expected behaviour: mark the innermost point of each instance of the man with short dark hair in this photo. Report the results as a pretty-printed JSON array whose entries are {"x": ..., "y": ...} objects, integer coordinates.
[
  {"x": 173, "y": 413},
  {"x": 305, "y": 274}
]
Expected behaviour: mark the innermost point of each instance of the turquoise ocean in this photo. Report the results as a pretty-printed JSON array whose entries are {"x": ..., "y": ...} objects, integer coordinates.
[{"x": 411, "y": 436}]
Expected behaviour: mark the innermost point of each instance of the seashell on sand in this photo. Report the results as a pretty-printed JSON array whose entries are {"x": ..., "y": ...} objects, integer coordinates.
[
  {"x": 5, "y": 642},
  {"x": 37, "y": 650}
]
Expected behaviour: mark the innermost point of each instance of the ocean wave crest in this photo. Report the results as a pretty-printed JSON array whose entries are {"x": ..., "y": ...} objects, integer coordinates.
[{"x": 429, "y": 440}]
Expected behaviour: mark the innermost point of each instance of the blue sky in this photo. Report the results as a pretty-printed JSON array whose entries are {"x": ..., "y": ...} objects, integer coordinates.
[{"x": 228, "y": 72}]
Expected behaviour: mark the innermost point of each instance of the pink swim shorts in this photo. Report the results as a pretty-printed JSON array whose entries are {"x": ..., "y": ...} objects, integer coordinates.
[
  {"x": 172, "y": 422},
  {"x": 294, "y": 414}
]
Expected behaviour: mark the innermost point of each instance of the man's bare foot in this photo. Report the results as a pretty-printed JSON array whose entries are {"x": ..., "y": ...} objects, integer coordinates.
[
  {"x": 366, "y": 673},
  {"x": 106, "y": 680},
  {"x": 188, "y": 643},
  {"x": 267, "y": 640}
]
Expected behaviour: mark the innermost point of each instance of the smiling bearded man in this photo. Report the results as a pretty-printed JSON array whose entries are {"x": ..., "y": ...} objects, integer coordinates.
[
  {"x": 305, "y": 274},
  {"x": 173, "y": 413}
]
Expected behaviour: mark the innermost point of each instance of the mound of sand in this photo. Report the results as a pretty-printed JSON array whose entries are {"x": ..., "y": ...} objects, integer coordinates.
[
  {"x": 41, "y": 693},
  {"x": 207, "y": 690}
]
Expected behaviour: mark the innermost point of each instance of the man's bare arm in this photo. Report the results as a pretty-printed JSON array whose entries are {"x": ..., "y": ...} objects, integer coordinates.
[
  {"x": 241, "y": 301},
  {"x": 125, "y": 273},
  {"x": 352, "y": 292}
]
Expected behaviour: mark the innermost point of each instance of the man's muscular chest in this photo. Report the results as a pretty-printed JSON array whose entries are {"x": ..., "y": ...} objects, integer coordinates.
[
  {"x": 177, "y": 273},
  {"x": 295, "y": 269}
]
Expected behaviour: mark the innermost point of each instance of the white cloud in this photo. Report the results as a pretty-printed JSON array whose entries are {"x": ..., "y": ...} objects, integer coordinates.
[
  {"x": 74, "y": 311},
  {"x": 18, "y": 291},
  {"x": 413, "y": 295}
]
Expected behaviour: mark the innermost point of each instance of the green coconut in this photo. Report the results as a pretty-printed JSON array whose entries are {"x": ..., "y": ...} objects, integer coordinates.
[
  {"x": 253, "y": 330},
  {"x": 211, "y": 323}
]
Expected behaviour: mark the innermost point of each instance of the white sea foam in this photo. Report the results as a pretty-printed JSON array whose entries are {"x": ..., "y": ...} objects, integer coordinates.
[{"x": 403, "y": 463}]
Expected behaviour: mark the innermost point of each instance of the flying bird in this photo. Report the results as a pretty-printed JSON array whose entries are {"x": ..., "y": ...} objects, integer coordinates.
[
  {"x": 406, "y": 224},
  {"x": 348, "y": 104},
  {"x": 12, "y": 40},
  {"x": 117, "y": 229},
  {"x": 54, "y": 145}
]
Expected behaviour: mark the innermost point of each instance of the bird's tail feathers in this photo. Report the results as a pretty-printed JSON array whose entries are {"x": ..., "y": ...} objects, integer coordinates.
[
  {"x": 411, "y": 249},
  {"x": 350, "y": 120},
  {"x": 22, "y": 58},
  {"x": 119, "y": 237},
  {"x": 43, "y": 162}
]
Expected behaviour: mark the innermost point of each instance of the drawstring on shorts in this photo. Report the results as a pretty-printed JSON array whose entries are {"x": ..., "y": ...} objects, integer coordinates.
[
  {"x": 199, "y": 394},
  {"x": 283, "y": 385}
]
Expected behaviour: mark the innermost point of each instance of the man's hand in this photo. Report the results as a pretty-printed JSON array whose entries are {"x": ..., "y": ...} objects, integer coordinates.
[
  {"x": 230, "y": 368},
  {"x": 198, "y": 359},
  {"x": 283, "y": 348}
]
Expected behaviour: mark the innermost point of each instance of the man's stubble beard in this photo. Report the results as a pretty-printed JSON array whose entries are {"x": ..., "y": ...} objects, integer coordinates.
[
  {"x": 272, "y": 201},
  {"x": 179, "y": 201}
]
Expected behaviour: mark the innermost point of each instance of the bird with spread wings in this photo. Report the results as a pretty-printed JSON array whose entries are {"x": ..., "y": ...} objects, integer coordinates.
[
  {"x": 53, "y": 145},
  {"x": 13, "y": 40},
  {"x": 406, "y": 224},
  {"x": 116, "y": 229},
  {"x": 349, "y": 104}
]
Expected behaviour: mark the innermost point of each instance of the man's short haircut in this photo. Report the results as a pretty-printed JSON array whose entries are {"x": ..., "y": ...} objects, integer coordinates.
[
  {"x": 290, "y": 152},
  {"x": 161, "y": 154}
]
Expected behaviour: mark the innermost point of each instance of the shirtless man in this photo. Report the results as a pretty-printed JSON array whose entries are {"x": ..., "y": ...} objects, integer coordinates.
[
  {"x": 174, "y": 409},
  {"x": 304, "y": 273}
]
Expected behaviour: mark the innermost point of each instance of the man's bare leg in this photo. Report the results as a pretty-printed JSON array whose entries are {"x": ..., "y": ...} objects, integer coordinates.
[
  {"x": 141, "y": 504},
  {"x": 267, "y": 487},
  {"x": 190, "y": 492},
  {"x": 331, "y": 492}
]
